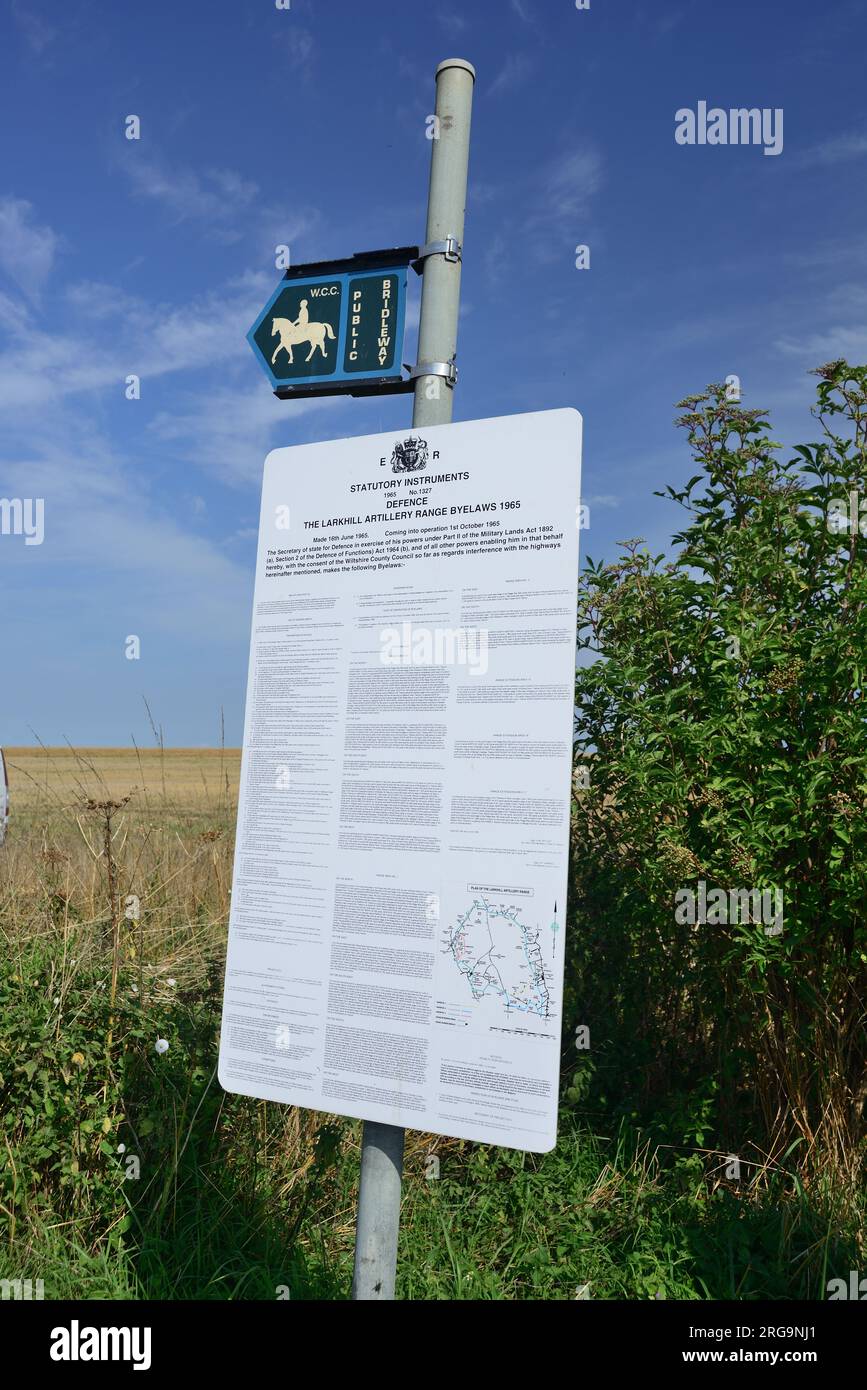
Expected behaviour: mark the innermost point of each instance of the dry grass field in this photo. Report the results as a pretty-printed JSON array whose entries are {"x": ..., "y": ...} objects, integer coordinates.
[
  {"x": 140, "y": 836},
  {"x": 172, "y": 779}
]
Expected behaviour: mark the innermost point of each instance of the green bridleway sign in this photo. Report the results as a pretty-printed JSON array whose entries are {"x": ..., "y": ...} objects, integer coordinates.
[{"x": 337, "y": 326}]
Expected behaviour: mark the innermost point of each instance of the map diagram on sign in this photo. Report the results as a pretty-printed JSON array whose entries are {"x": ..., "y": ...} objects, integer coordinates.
[{"x": 500, "y": 956}]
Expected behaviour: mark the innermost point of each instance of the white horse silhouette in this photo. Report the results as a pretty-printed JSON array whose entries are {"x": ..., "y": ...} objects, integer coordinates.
[{"x": 291, "y": 334}]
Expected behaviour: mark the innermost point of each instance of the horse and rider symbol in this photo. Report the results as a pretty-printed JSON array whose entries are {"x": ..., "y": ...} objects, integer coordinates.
[{"x": 291, "y": 332}]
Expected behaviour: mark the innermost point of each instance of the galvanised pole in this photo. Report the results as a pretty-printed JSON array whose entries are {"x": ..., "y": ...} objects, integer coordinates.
[{"x": 378, "y": 1218}]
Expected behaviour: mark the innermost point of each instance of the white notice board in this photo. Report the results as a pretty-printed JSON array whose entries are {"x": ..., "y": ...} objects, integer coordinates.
[{"x": 396, "y": 935}]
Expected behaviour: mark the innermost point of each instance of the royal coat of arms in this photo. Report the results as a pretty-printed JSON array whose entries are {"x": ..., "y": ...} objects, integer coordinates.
[{"x": 409, "y": 456}]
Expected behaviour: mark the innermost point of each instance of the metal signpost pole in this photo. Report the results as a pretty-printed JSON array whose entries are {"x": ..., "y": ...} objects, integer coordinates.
[{"x": 382, "y": 1145}]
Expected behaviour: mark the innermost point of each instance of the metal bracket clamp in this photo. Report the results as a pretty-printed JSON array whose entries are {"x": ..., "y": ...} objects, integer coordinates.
[
  {"x": 450, "y": 248},
  {"x": 443, "y": 369}
]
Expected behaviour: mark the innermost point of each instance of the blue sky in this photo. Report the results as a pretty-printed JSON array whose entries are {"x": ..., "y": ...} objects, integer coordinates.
[{"x": 307, "y": 127}]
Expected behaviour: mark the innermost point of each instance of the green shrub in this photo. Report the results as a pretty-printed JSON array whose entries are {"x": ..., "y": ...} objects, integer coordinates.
[
  {"x": 723, "y": 721},
  {"x": 60, "y": 1103}
]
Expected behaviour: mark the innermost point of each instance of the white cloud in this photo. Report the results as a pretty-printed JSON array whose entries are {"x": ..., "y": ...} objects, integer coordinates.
[
  {"x": 230, "y": 204},
  {"x": 216, "y": 196},
  {"x": 560, "y": 200},
  {"x": 657, "y": 25},
  {"x": 494, "y": 256},
  {"x": 513, "y": 74},
  {"x": 566, "y": 186},
  {"x": 96, "y": 299},
  {"x": 299, "y": 45},
  {"x": 451, "y": 20},
  {"x": 39, "y": 363},
  {"x": 240, "y": 191},
  {"x": 850, "y": 343},
  {"x": 38, "y": 34},
  {"x": 110, "y": 540},
  {"x": 27, "y": 250},
  {"x": 831, "y": 254},
  {"x": 228, "y": 431},
  {"x": 14, "y": 315},
  {"x": 840, "y": 149}
]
